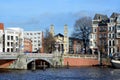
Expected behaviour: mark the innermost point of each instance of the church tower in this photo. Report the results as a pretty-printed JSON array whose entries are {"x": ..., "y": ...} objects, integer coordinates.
[
  {"x": 66, "y": 40},
  {"x": 52, "y": 30}
]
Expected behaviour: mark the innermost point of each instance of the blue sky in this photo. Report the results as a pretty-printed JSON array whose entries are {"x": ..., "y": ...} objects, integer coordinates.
[{"x": 40, "y": 14}]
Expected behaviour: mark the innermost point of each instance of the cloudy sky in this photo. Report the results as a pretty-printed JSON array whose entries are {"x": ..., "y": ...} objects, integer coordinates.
[{"x": 40, "y": 14}]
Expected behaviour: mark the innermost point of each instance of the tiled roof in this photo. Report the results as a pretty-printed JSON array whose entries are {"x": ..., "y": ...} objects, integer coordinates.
[
  {"x": 100, "y": 16},
  {"x": 114, "y": 15},
  {"x": 59, "y": 34}
]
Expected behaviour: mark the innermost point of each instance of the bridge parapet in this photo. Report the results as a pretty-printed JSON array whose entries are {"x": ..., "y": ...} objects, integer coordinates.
[
  {"x": 31, "y": 55},
  {"x": 8, "y": 55}
]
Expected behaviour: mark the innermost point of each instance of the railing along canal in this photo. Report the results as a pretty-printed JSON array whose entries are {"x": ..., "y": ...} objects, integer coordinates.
[{"x": 81, "y": 56}]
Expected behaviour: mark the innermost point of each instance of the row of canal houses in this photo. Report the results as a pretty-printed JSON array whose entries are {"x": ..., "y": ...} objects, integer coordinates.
[{"x": 105, "y": 34}]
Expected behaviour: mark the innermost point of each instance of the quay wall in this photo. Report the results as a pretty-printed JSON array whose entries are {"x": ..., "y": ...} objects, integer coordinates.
[{"x": 77, "y": 62}]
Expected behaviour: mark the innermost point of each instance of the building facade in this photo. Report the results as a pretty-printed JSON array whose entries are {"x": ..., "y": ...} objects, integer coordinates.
[
  {"x": 61, "y": 40},
  {"x": 114, "y": 32},
  {"x": 105, "y": 34},
  {"x": 99, "y": 32},
  {"x": 37, "y": 40},
  {"x": 117, "y": 42},
  {"x": 75, "y": 45},
  {"x": 13, "y": 40}
]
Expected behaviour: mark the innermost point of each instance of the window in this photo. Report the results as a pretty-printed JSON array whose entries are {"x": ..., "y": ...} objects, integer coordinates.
[
  {"x": 118, "y": 27},
  {"x": 30, "y": 33},
  {"x": 11, "y": 49},
  {"x": 38, "y": 44},
  {"x": 16, "y": 37},
  {"x": 8, "y": 37},
  {"x": 112, "y": 35},
  {"x": 118, "y": 34},
  {"x": 8, "y": 44},
  {"x": 11, "y": 43},
  {"x": 109, "y": 28},
  {"x": 11, "y": 37},
  {"x": 109, "y": 43},
  {"x": 113, "y": 43},
  {"x": 35, "y": 41},
  {"x": 38, "y": 33},
  {"x": 39, "y": 41},
  {"x": 109, "y": 50},
  {"x": 113, "y": 28},
  {"x": 8, "y": 50},
  {"x": 117, "y": 49},
  {"x": 113, "y": 50},
  {"x": 109, "y": 35}
]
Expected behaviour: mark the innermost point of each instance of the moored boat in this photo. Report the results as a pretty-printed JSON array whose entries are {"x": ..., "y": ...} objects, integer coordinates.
[{"x": 115, "y": 61}]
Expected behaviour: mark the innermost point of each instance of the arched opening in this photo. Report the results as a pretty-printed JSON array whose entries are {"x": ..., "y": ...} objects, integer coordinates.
[{"x": 38, "y": 64}]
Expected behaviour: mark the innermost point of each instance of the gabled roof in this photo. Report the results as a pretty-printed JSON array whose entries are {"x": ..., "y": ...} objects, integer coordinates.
[
  {"x": 114, "y": 15},
  {"x": 100, "y": 16},
  {"x": 59, "y": 34}
]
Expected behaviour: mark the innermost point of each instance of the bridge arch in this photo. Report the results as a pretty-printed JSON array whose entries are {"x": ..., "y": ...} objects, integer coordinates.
[{"x": 39, "y": 63}]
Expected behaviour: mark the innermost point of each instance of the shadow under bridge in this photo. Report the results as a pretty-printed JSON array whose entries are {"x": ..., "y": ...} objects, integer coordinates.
[{"x": 39, "y": 63}]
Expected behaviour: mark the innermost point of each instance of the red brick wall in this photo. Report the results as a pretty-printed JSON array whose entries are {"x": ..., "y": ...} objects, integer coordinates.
[
  {"x": 27, "y": 45},
  {"x": 5, "y": 63},
  {"x": 75, "y": 62}
]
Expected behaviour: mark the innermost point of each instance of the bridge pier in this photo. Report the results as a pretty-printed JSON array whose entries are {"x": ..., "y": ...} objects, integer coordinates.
[{"x": 33, "y": 65}]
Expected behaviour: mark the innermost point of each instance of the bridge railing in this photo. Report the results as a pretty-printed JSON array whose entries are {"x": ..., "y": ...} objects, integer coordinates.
[
  {"x": 81, "y": 56},
  {"x": 7, "y": 55},
  {"x": 39, "y": 55}
]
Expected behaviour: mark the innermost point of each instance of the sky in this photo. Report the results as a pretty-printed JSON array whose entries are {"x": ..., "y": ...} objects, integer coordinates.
[{"x": 38, "y": 15}]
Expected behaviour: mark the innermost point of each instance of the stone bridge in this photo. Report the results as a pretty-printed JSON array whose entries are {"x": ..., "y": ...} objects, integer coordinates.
[{"x": 21, "y": 60}]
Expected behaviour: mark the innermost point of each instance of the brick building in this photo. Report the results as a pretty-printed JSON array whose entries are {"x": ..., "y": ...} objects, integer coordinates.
[
  {"x": 27, "y": 45},
  {"x": 37, "y": 40},
  {"x": 75, "y": 45},
  {"x": 98, "y": 37}
]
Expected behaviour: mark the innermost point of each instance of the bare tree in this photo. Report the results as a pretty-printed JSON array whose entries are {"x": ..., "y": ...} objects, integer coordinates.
[
  {"x": 49, "y": 42},
  {"x": 82, "y": 29}
]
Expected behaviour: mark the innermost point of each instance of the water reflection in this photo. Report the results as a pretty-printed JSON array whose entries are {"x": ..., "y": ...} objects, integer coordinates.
[{"x": 86, "y": 73}]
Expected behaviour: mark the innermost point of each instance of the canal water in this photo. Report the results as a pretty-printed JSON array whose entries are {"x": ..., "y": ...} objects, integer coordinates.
[{"x": 83, "y": 73}]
